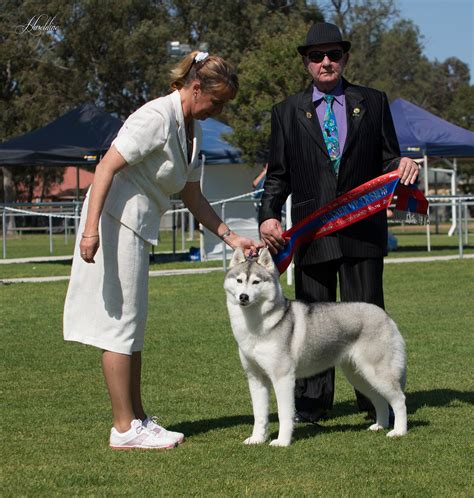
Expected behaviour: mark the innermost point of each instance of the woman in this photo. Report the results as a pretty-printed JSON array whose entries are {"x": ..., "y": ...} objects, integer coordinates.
[{"x": 154, "y": 155}]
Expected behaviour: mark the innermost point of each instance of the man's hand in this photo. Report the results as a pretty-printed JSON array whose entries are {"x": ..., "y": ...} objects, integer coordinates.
[
  {"x": 271, "y": 235},
  {"x": 408, "y": 171}
]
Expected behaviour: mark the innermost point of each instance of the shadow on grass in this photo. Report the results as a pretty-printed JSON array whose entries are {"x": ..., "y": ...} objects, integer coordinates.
[
  {"x": 415, "y": 401},
  {"x": 437, "y": 398}
]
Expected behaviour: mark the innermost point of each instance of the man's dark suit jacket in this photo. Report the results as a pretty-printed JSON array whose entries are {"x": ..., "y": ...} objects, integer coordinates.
[{"x": 299, "y": 164}]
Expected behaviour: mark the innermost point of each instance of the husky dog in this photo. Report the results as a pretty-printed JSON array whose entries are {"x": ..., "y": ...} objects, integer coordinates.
[{"x": 281, "y": 340}]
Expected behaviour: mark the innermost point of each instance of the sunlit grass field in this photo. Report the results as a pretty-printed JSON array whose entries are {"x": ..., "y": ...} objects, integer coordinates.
[{"x": 56, "y": 417}]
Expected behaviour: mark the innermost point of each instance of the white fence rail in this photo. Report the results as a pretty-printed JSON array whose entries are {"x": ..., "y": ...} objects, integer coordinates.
[{"x": 69, "y": 214}]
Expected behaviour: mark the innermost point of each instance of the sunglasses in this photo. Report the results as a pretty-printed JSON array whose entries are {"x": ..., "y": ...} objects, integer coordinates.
[{"x": 333, "y": 55}]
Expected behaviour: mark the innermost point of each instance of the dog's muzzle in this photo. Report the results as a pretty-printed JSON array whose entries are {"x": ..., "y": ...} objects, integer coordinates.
[{"x": 244, "y": 299}]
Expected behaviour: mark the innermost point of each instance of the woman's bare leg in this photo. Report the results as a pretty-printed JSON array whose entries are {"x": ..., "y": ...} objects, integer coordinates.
[{"x": 117, "y": 370}]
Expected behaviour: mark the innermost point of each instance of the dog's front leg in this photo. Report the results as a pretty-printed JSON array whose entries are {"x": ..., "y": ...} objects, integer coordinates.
[
  {"x": 259, "y": 386},
  {"x": 285, "y": 395},
  {"x": 259, "y": 392}
]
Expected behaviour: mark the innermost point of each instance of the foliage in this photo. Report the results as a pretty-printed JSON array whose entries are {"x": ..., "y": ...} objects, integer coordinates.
[
  {"x": 110, "y": 53},
  {"x": 113, "y": 53},
  {"x": 268, "y": 75},
  {"x": 386, "y": 53}
]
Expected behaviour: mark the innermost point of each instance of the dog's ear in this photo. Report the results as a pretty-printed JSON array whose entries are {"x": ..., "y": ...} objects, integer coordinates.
[
  {"x": 237, "y": 258},
  {"x": 265, "y": 259}
]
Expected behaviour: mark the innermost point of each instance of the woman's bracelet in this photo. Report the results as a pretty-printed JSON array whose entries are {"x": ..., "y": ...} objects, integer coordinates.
[
  {"x": 225, "y": 234},
  {"x": 89, "y": 236}
]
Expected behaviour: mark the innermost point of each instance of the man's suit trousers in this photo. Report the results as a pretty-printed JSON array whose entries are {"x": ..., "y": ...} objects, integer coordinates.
[{"x": 360, "y": 280}]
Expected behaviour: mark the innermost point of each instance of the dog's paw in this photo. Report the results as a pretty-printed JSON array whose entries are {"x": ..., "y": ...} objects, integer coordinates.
[
  {"x": 376, "y": 427},
  {"x": 280, "y": 443},
  {"x": 395, "y": 433},
  {"x": 255, "y": 440}
]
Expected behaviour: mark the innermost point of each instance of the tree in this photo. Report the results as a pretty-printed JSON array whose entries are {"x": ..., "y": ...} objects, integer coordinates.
[
  {"x": 231, "y": 28},
  {"x": 110, "y": 53},
  {"x": 268, "y": 75},
  {"x": 32, "y": 86}
]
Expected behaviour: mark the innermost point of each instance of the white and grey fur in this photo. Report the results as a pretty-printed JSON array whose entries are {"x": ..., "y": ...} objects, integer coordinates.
[{"x": 281, "y": 340}]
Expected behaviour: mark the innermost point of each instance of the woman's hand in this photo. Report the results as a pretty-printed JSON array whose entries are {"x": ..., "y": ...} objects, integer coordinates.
[
  {"x": 89, "y": 245},
  {"x": 109, "y": 166},
  {"x": 249, "y": 246}
]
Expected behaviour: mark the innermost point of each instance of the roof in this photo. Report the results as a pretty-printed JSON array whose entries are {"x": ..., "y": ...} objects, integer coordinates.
[
  {"x": 421, "y": 133},
  {"x": 78, "y": 137}
]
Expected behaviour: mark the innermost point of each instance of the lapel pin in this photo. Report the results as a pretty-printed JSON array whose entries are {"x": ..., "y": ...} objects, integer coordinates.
[
  {"x": 309, "y": 115},
  {"x": 356, "y": 111}
]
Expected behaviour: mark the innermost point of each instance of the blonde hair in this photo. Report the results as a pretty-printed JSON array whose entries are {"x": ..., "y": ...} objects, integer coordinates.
[{"x": 214, "y": 74}]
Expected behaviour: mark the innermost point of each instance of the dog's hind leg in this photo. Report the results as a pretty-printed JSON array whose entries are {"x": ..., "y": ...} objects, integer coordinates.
[
  {"x": 379, "y": 402},
  {"x": 399, "y": 407},
  {"x": 391, "y": 390},
  {"x": 387, "y": 385}
]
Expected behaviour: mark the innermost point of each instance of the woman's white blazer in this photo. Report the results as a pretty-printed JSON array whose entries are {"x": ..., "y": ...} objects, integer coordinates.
[{"x": 153, "y": 143}]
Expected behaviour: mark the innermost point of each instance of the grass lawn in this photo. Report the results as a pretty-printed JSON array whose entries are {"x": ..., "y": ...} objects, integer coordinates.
[
  {"x": 37, "y": 244},
  {"x": 56, "y": 416},
  {"x": 411, "y": 242}
]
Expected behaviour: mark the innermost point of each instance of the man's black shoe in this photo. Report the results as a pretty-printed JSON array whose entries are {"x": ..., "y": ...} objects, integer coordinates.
[{"x": 310, "y": 418}]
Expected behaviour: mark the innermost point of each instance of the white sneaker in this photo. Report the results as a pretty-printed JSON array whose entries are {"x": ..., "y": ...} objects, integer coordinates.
[
  {"x": 151, "y": 424},
  {"x": 140, "y": 437}
]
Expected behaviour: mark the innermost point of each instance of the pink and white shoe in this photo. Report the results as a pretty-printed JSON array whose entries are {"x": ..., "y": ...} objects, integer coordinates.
[
  {"x": 139, "y": 437},
  {"x": 151, "y": 424}
]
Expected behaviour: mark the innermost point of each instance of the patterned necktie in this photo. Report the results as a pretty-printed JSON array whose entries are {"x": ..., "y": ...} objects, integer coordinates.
[{"x": 330, "y": 134}]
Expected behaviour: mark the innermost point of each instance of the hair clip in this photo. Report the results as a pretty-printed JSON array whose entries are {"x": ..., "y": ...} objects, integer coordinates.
[{"x": 201, "y": 56}]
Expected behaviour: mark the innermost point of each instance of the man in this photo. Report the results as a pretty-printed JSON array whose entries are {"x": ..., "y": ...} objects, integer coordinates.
[{"x": 325, "y": 141}]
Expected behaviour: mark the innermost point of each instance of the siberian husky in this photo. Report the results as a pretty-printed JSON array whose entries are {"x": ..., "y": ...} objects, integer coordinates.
[{"x": 281, "y": 340}]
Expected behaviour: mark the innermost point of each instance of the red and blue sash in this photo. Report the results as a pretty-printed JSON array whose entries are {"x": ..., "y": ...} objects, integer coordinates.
[{"x": 361, "y": 202}]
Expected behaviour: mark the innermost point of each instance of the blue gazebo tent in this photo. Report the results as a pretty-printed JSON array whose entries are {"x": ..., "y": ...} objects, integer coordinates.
[
  {"x": 421, "y": 133},
  {"x": 424, "y": 135},
  {"x": 79, "y": 137},
  {"x": 215, "y": 148},
  {"x": 83, "y": 135}
]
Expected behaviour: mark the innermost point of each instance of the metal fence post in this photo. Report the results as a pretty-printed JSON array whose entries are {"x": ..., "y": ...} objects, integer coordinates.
[
  {"x": 224, "y": 245},
  {"x": 466, "y": 224},
  {"x": 4, "y": 233},
  {"x": 459, "y": 216},
  {"x": 173, "y": 222},
  {"x": 76, "y": 219},
  {"x": 183, "y": 231},
  {"x": 50, "y": 234}
]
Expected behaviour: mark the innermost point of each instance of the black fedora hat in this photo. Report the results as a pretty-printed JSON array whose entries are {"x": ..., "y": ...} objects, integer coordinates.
[{"x": 322, "y": 33}]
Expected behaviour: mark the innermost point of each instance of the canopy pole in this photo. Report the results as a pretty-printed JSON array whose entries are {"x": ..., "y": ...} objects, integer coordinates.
[
  {"x": 201, "y": 228},
  {"x": 455, "y": 218},
  {"x": 428, "y": 232}
]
